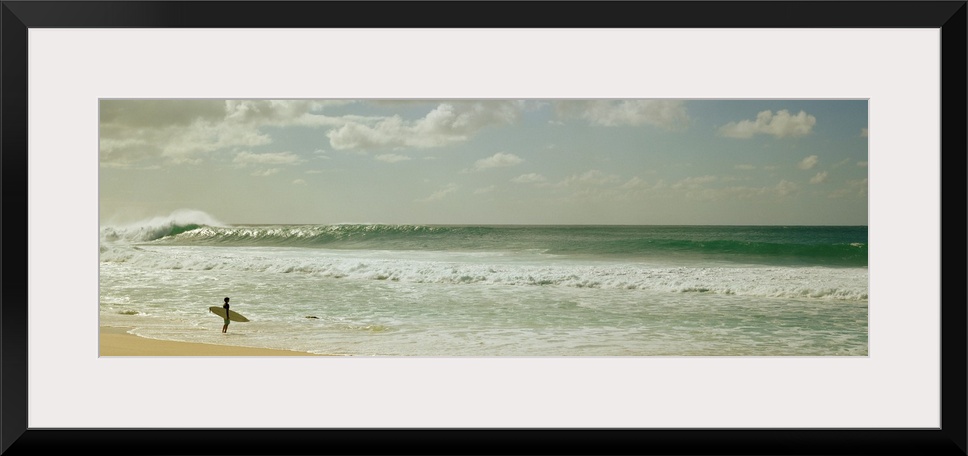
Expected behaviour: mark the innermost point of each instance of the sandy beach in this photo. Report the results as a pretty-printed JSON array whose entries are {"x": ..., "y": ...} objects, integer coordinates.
[{"x": 115, "y": 341}]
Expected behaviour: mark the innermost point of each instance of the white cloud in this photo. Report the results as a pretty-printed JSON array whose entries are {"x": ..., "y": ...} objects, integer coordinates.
[
  {"x": 531, "y": 178},
  {"x": 498, "y": 160},
  {"x": 448, "y": 123},
  {"x": 785, "y": 188},
  {"x": 591, "y": 177},
  {"x": 667, "y": 114},
  {"x": 184, "y": 131},
  {"x": 484, "y": 190},
  {"x": 634, "y": 183},
  {"x": 389, "y": 131},
  {"x": 125, "y": 144},
  {"x": 808, "y": 163},
  {"x": 780, "y": 125},
  {"x": 694, "y": 182},
  {"x": 265, "y": 111},
  {"x": 265, "y": 172},
  {"x": 274, "y": 158},
  {"x": 857, "y": 188},
  {"x": 282, "y": 113},
  {"x": 745, "y": 167},
  {"x": 464, "y": 118},
  {"x": 440, "y": 194},
  {"x": 821, "y": 177},
  {"x": 862, "y": 164},
  {"x": 781, "y": 189},
  {"x": 392, "y": 158},
  {"x": 298, "y": 182}
]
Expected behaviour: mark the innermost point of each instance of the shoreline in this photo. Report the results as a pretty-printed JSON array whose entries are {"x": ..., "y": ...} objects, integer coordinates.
[{"x": 115, "y": 341}]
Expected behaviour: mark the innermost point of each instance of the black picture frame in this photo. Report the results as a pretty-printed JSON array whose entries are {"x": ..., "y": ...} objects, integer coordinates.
[{"x": 18, "y": 16}]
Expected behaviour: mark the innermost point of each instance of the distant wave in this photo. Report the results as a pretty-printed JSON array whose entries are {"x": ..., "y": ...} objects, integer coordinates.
[
  {"x": 831, "y": 246},
  {"x": 348, "y": 235},
  {"x": 180, "y": 221},
  {"x": 846, "y": 253}
]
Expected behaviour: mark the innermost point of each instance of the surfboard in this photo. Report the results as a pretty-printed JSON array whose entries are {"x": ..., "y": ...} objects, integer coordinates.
[{"x": 233, "y": 315}]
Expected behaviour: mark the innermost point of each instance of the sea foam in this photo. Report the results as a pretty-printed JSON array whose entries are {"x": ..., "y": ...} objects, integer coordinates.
[{"x": 522, "y": 269}]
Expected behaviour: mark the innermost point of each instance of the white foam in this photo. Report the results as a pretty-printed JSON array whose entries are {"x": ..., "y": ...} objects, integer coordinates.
[
  {"x": 155, "y": 227},
  {"x": 520, "y": 269}
]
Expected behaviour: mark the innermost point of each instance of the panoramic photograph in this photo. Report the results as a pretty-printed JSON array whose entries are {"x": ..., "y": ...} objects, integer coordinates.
[{"x": 483, "y": 227}]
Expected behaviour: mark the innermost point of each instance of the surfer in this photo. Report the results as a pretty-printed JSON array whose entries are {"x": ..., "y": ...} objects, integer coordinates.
[{"x": 225, "y": 306}]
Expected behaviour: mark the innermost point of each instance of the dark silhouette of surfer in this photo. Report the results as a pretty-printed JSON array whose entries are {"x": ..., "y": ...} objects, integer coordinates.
[{"x": 225, "y": 306}]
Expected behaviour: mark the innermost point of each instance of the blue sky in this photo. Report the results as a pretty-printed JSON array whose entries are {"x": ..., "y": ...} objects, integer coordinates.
[{"x": 567, "y": 161}]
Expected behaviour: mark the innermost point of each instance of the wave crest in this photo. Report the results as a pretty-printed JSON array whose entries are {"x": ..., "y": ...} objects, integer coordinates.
[{"x": 178, "y": 222}]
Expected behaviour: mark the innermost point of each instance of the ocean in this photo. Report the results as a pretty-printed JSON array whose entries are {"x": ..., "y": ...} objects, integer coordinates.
[{"x": 483, "y": 291}]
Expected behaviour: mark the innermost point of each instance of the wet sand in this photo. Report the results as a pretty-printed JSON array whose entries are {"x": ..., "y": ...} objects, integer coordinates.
[{"x": 116, "y": 341}]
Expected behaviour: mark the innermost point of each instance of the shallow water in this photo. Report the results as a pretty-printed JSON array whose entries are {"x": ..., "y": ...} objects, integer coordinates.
[{"x": 493, "y": 300}]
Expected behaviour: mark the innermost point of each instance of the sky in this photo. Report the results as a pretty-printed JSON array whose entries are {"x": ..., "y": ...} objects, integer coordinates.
[{"x": 489, "y": 161}]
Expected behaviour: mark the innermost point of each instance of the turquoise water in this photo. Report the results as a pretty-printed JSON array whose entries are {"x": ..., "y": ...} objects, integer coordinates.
[
  {"x": 823, "y": 245},
  {"x": 411, "y": 290}
]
